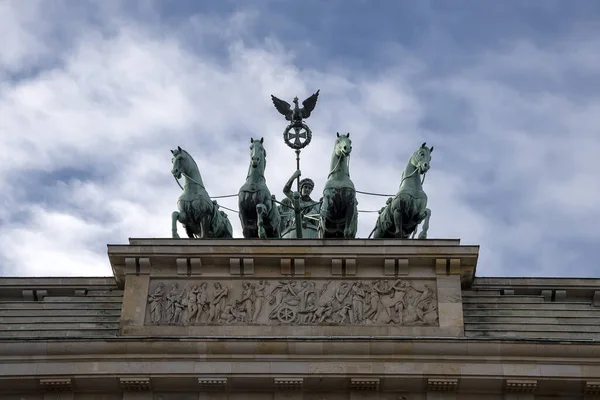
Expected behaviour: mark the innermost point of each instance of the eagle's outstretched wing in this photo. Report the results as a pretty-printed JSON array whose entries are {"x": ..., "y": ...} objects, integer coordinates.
[
  {"x": 283, "y": 107},
  {"x": 309, "y": 105}
]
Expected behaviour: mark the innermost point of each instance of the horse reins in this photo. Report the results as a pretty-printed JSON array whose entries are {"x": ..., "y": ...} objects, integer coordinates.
[
  {"x": 334, "y": 169},
  {"x": 189, "y": 178}
]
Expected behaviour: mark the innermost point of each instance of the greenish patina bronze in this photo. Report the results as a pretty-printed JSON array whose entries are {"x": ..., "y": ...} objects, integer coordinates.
[
  {"x": 405, "y": 211},
  {"x": 296, "y": 115},
  {"x": 199, "y": 215},
  {"x": 298, "y": 218},
  {"x": 339, "y": 213},
  {"x": 258, "y": 211},
  {"x": 335, "y": 215},
  {"x": 307, "y": 208}
]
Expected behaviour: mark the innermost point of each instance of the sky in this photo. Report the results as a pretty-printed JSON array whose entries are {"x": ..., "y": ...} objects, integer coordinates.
[{"x": 94, "y": 94}]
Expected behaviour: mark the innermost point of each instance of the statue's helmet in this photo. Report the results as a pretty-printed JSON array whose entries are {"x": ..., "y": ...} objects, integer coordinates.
[{"x": 307, "y": 182}]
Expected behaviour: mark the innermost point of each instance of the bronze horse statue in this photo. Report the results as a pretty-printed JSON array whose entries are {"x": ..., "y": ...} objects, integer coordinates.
[
  {"x": 199, "y": 215},
  {"x": 339, "y": 213},
  {"x": 404, "y": 212},
  {"x": 258, "y": 212}
]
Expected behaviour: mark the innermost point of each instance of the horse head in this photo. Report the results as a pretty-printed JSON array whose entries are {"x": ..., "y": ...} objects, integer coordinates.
[
  {"x": 421, "y": 159},
  {"x": 179, "y": 161},
  {"x": 258, "y": 154},
  {"x": 343, "y": 145}
]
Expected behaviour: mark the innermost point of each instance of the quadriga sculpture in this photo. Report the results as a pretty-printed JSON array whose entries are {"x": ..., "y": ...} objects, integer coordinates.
[
  {"x": 258, "y": 213},
  {"x": 199, "y": 215},
  {"x": 339, "y": 213},
  {"x": 405, "y": 211}
]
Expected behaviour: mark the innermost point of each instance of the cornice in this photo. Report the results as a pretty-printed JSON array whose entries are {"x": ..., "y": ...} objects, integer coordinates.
[
  {"x": 331, "y": 347},
  {"x": 189, "y": 257}
]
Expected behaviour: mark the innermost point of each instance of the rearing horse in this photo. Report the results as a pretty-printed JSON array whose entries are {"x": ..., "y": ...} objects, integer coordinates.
[
  {"x": 405, "y": 211},
  {"x": 258, "y": 213},
  {"x": 339, "y": 214},
  {"x": 199, "y": 215}
]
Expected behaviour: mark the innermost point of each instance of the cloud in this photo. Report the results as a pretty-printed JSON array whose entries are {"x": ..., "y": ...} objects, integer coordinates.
[{"x": 85, "y": 138}]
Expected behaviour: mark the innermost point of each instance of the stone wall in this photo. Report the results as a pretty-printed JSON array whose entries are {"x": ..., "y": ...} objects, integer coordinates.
[{"x": 240, "y": 319}]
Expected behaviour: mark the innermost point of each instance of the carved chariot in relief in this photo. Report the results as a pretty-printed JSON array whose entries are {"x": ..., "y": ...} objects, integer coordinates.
[{"x": 294, "y": 302}]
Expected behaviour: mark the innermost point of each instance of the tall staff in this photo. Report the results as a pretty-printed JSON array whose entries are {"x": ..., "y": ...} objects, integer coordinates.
[{"x": 297, "y": 135}]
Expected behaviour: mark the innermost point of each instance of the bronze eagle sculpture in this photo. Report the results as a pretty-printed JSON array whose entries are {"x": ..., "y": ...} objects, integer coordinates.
[{"x": 296, "y": 115}]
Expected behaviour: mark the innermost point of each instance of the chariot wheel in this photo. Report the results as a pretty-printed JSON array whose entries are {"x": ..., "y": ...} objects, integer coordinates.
[{"x": 286, "y": 315}]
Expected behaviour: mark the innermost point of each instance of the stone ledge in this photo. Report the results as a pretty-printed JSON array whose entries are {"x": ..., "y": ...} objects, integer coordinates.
[
  {"x": 442, "y": 384},
  {"x": 288, "y": 383},
  {"x": 56, "y": 384},
  {"x": 521, "y": 385},
  {"x": 592, "y": 387},
  {"x": 215, "y": 383},
  {"x": 135, "y": 384},
  {"x": 268, "y": 347},
  {"x": 404, "y": 378},
  {"x": 364, "y": 384}
]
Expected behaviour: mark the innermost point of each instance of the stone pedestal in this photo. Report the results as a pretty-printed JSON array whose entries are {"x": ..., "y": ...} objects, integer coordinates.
[{"x": 293, "y": 288}]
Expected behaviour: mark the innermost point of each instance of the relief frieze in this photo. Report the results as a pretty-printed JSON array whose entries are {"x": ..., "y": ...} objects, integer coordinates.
[{"x": 292, "y": 302}]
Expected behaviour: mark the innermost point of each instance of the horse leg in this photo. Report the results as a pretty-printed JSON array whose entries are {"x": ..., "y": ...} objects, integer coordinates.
[
  {"x": 323, "y": 211},
  {"x": 242, "y": 215},
  {"x": 354, "y": 221},
  {"x": 176, "y": 216},
  {"x": 204, "y": 227},
  {"x": 348, "y": 219},
  {"x": 398, "y": 222},
  {"x": 426, "y": 214},
  {"x": 260, "y": 223}
]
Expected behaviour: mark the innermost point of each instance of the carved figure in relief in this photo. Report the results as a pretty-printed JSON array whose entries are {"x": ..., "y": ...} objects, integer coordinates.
[
  {"x": 295, "y": 302},
  {"x": 229, "y": 314},
  {"x": 179, "y": 308},
  {"x": 202, "y": 301},
  {"x": 323, "y": 312},
  {"x": 170, "y": 302},
  {"x": 246, "y": 302},
  {"x": 377, "y": 289},
  {"x": 358, "y": 302},
  {"x": 190, "y": 302},
  {"x": 218, "y": 303},
  {"x": 259, "y": 290},
  {"x": 156, "y": 303}
]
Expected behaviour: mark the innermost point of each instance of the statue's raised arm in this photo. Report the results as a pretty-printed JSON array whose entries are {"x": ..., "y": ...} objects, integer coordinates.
[{"x": 287, "y": 188}]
